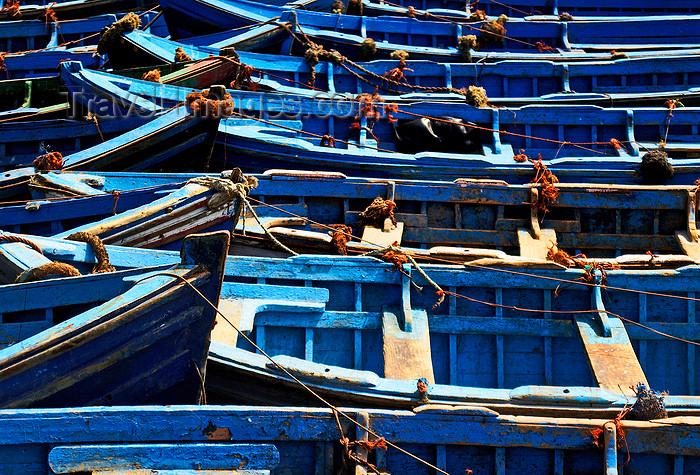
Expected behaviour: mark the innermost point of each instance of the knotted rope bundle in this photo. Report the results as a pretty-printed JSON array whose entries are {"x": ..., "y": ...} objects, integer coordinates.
[
  {"x": 377, "y": 212},
  {"x": 129, "y": 22},
  {"x": 49, "y": 161},
  {"x": 202, "y": 105}
]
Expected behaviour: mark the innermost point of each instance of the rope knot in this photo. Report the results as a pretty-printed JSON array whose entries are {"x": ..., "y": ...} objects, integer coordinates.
[
  {"x": 328, "y": 141},
  {"x": 49, "y": 161},
  {"x": 153, "y": 76},
  {"x": 244, "y": 79},
  {"x": 49, "y": 15},
  {"x": 12, "y": 7},
  {"x": 3, "y": 66},
  {"x": 181, "y": 56},
  {"x": 375, "y": 214},
  {"x": 340, "y": 237},
  {"x": 201, "y": 105},
  {"x": 338, "y": 7},
  {"x": 129, "y": 22},
  {"x": 565, "y": 16}
]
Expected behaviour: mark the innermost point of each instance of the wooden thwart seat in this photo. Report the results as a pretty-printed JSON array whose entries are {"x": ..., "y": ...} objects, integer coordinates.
[{"x": 407, "y": 354}]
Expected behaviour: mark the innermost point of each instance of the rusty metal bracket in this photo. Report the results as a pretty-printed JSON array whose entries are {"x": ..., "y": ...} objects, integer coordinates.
[{"x": 534, "y": 221}]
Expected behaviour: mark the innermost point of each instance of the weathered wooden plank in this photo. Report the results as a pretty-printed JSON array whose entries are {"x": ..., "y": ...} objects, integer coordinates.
[
  {"x": 613, "y": 361},
  {"x": 536, "y": 247},
  {"x": 213, "y": 456},
  {"x": 407, "y": 353}
]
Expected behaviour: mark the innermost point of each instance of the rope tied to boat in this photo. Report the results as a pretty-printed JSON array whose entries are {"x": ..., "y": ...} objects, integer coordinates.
[
  {"x": 369, "y": 48},
  {"x": 49, "y": 161},
  {"x": 368, "y": 445},
  {"x": 397, "y": 74},
  {"x": 59, "y": 269},
  {"x": 98, "y": 248},
  {"x": 591, "y": 269},
  {"x": 315, "y": 53},
  {"x": 599, "y": 437},
  {"x": 565, "y": 16},
  {"x": 543, "y": 47},
  {"x": 129, "y": 22},
  {"x": 338, "y": 7},
  {"x": 649, "y": 405},
  {"x": 378, "y": 211},
  {"x": 328, "y": 141},
  {"x": 340, "y": 238},
  {"x": 244, "y": 79},
  {"x": 181, "y": 56},
  {"x": 3, "y": 66},
  {"x": 12, "y": 8},
  {"x": 617, "y": 55},
  {"x": 396, "y": 255},
  {"x": 6, "y": 238},
  {"x": 476, "y": 96},
  {"x": 152, "y": 76},
  {"x": 465, "y": 45},
  {"x": 477, "y": 15},
  {"x": 49, "y": 15},
  {"x": 202, "y": 105},
  {"x": 226, "y": 189},
  {"x": 493, "y": 32},
  {"x": 543, "y": 178}
]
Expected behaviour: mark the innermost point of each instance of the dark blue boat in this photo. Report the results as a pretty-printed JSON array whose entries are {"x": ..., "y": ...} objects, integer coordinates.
[
  {"x": 434, "y": 40},
  {"x": 72, "y": 9},
  {"x": 576, "y": 143},
  {"x": 460, "y": 221},
  {"x": 112, "y": 338}
]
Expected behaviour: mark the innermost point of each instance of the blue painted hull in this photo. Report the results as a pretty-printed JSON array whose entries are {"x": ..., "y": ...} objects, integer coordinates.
[
  {"x": 76, "y": 9},
  {"x": 573, "y": 141},
  {"x": 610, "y": 223},
  {"x": 29, "y": 35},
  {"x": 626, "y": 81},
  {"x": 138, "y": 342},
  {"x": 454, "y": 441}
]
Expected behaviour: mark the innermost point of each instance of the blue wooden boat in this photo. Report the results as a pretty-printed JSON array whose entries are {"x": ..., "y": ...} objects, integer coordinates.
[
  {"x": 73, "y": 9},
  {"x": 174, "y": 139},
  {"x": 459, "y": 222},
  {"x": 114, "y": 338},
  {"x": 626, "y": 81},
  {"x": 67, "y": 137},
  {"x": 301, "y": 440},
  {"x": 435, "y": 40},
  {"x": 27, "y": 35},
  {"x": 45, "y": 63},
  {"x": 557, "y": 7},
  {"x": 577, "y": 143},
  {"x": 200, "y": 204},
  {"x": 360, "y": 333}
]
